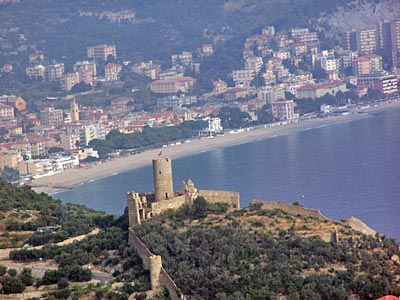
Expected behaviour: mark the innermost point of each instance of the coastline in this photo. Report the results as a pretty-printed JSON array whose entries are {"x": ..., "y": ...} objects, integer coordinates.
[{"x": 70, "y": 179}]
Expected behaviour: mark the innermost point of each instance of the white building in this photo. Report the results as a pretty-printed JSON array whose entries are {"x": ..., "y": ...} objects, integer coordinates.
[
  {"x": 214, "y": 127},
  {"x": 64, "y": 163}
]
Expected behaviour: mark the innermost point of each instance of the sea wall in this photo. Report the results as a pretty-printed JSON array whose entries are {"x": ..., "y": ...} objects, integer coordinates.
[
  {"x": 158, "y": 275},
  {"x": 232, "y": 198},
  {"x": 291, "y": 209}
]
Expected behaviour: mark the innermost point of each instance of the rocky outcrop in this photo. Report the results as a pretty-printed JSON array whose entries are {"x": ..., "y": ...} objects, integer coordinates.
[
  {"x": 359, "y": 225},
  {"x": 360, "y": 14}
]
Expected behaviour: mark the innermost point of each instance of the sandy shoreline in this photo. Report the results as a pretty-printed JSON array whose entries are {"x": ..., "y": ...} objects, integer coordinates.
[{"x": 68, "y": 180}]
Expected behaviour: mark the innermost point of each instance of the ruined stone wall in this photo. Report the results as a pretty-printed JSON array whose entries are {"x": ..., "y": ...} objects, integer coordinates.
[
  {"x": 141, "y": 248},
  {"x": 133, "y": 209},
  {"x": 153, "y": 263},
  {"x": 291, "y": 209},
  {"x": 212, "y": 196},
  {"x": 175, "y": 203}
]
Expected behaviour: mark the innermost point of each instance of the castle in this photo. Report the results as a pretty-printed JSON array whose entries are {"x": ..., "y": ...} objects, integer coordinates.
[{"x": 142, "y": 206}]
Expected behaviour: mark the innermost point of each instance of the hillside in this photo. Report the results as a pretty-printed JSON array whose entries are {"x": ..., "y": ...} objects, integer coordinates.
[
  {"x": 156, "y": 29},
  {"x": 23, "y": 211},
  {"x": 256, "y": 253},
  {"x": 266, "y": 251}
]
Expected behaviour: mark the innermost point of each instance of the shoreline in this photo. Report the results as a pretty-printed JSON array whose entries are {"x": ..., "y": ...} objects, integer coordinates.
[{"x": 68, "y": 180}]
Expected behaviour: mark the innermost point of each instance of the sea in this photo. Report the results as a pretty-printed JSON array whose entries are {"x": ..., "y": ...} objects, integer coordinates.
[{"x": 344, "y": 170}]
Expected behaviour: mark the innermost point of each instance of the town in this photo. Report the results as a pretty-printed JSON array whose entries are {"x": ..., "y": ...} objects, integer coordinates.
[{"x": 285, "y": 76}]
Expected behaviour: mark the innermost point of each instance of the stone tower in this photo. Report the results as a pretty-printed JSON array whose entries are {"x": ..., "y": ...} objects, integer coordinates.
[
  {"x": 155, "y": 266},
  {"x": 162, "y": 175}
]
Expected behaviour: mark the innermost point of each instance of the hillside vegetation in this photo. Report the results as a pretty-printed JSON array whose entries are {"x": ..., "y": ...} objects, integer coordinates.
[
  {"x": 211, "y": 253},
  {"x": 159, "y": 29},
  {"x": 23, "y": 211},
  {"x": 261, "y": 254}
]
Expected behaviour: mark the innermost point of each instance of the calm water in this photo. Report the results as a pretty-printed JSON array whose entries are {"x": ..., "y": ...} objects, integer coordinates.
[{"x": 349, "y": 169}]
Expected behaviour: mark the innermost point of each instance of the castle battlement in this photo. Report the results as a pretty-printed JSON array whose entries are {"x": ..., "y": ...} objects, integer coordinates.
[{"x": 143, "y": 206}]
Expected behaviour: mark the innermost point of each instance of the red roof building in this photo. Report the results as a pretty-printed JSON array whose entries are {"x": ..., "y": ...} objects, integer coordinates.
[{"x": 389, "y": 297}]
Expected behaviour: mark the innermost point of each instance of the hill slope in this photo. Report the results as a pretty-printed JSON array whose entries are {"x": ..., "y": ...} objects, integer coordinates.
[
  {"x": 62, "y": 29},
  {"x": 260, "y": 254}
]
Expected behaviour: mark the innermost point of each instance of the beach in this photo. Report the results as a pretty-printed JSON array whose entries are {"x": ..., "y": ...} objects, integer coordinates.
[{"x": 68, "y": 180}]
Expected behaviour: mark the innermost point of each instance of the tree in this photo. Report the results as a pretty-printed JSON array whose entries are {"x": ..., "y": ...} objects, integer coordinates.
[
  {"x": 12, "y": 284},
  {"x": 80, "y": 87},
  {"x": 26, "y": 277},
  {"x": 3, "y": 270},
  {"x": 55, "y": 149},
  {"x": 233, "y": 117},
  {"x": 265, "y": 115}
]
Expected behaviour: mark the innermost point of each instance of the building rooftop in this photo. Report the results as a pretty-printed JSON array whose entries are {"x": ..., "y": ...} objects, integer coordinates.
[
  {"x": 322, "y": 85},
  {"x": 174, "y": 80}
]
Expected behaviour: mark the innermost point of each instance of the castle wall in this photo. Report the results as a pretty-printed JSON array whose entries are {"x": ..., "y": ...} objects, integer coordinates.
[
  {"x": 212, "y": 196},
  {"x": 291, "y": 209},
  {"x": 141, "y": 248},
  {"x": 133, "y": 208},
  {"x": 162, "y": 176},
  {"x": 158, "y": 276},
  {"x": 175, "y": 203}
]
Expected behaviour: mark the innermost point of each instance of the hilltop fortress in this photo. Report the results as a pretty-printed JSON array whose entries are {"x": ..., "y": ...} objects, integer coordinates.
[{"x": 142, "y": 206}]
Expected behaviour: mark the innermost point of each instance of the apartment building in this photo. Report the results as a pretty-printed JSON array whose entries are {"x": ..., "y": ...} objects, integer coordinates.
[
  {"x": 367, "y": 64},
  {"x": 173, "y": 85},
  {"x": 232, "y": 94},
  {"x": 6, "y": 111},
  {"x": 55, "y": 72},
  {"x": 385, "y": 83},
  {"x": 320, "y": 89},
  {"x": 84, "y": 133},
  {"x": 101, "y": 52},
  {"x": 38, "y": 71},
  {"x": 220, "y": 87},
  {"x": 242, "y": 76},
  {"x": 367, "y": 41},
  {"x": 395, "y": 43},
  {"x": 283, "y": 110},
  {"x": 69, "y": 80},
  {"x": 207, "y": 50},
  {"x": 87, "y": 71},
  {"x": 185, "y": 59},
  {"x": 174, "y": 101},
  {"x": 254, "y": 63},
  {"x": 112, "y": 71},
  {"x": 268, "y": 94},
  {"x": 51, "y": 116}
]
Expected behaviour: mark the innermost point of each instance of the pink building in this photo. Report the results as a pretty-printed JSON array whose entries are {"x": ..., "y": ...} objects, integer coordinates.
[{"x": 283, "y": 110}]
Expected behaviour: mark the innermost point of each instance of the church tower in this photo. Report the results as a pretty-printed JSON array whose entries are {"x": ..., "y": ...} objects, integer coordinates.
[{"x": 74, "y": 111}]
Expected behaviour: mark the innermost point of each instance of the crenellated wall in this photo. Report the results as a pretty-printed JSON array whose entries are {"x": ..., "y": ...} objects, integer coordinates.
[{"x": 212, "y": 196}]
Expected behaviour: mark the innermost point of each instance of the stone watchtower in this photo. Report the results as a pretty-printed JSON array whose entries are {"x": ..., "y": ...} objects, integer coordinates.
[{"x": 162, "y": 175}]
